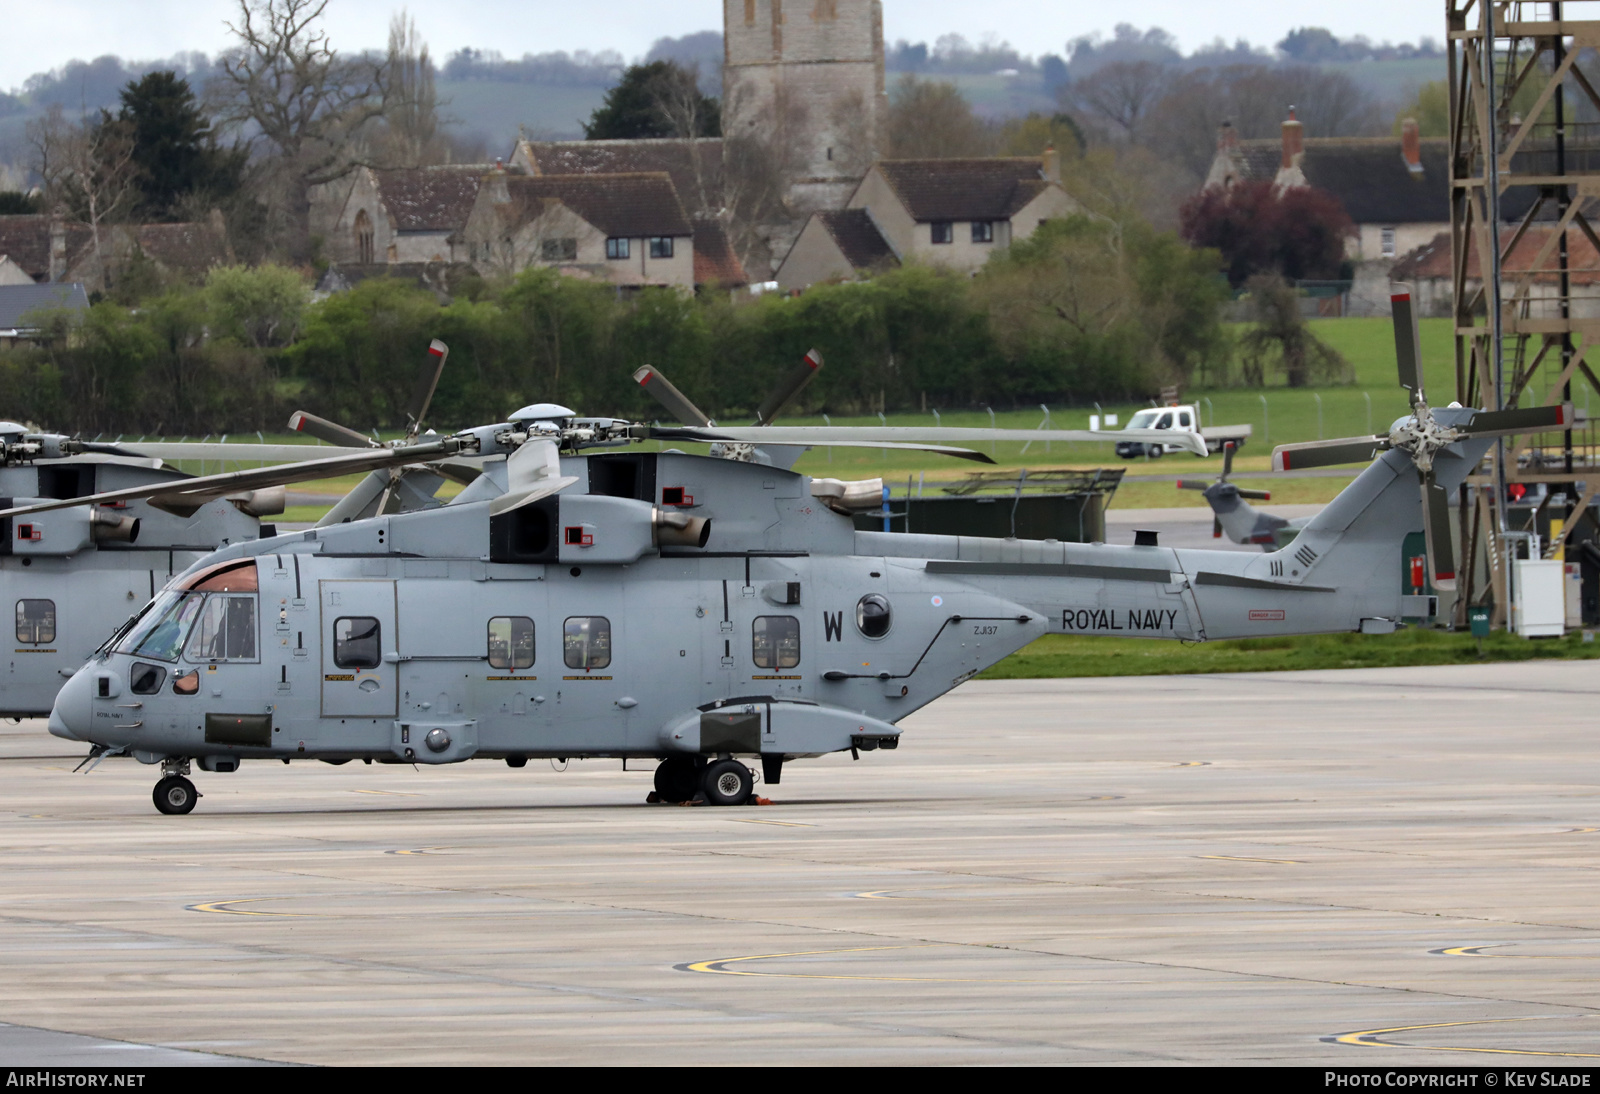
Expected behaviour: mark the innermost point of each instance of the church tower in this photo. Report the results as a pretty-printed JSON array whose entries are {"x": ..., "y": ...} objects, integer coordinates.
[{"x": 809, "y": 73}]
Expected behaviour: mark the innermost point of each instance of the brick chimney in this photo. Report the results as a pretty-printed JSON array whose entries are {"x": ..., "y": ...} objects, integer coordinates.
[
  {"x": 1227, "y": 137},
  {"x": 1411, "y": 146},
  {"x": 1294, "y": 141},
  {"x": 1051, "y": 166}
]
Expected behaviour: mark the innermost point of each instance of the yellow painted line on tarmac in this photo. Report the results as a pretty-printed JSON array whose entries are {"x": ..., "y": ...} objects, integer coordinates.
[
  {"x": 1570, "y": 831},
  {"x": 720, "y": 966},
  {"x": 1369, "y": 1038},
  {"x": 1194, "y": 763},
  {"x": 1241, "y": 858},
  {"x": 420, "y": 851},
  {"x": 1477, "y": 951},
  {"x": 391, "y": 793},
  {"x": 226, "y": 907},
  {"x": 780, "y": 824}
]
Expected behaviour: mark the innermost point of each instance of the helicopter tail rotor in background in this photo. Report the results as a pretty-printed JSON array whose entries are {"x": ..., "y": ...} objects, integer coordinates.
[{"x": 1221, "y": 488}]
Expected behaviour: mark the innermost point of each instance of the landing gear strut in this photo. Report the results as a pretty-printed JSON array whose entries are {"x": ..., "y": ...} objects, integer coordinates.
[{"x": 175, "y": 795}]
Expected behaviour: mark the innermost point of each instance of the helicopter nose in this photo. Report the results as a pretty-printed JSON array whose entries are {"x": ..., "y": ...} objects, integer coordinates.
[{"x": 73, "y": 712}]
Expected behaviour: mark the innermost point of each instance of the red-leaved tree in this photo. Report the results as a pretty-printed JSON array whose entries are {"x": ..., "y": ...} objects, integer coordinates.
[{"x": 1297, "y": 232}]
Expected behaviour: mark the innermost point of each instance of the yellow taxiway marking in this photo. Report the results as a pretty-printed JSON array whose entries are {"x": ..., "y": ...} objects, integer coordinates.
[
  {"x": 391, "y": 793},
  {"x": 1369, "y": 1037},
  {"x": 226, "y": 907},
  {"x": 1194, "y": 763},
  {"x": 420, "y": 851},
  {"x": 781, "y": 824},
  {"x": 1241, "y": 858},
  {"x": 720, "y": 966},
  {"x": 1107, "y": 798},
  {"x": 1572, "y": 830},
  {"x": 1477, "y": 951}
]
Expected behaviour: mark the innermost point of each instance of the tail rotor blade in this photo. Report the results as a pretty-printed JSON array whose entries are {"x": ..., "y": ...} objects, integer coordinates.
[
  {"x": 675, "y": 402},
  {"x": 1531, "y": 419},
  {"x": 1227, "y": 460},
  {"x": 332, "y": 432},
  {"x": 1299, "y": 457},
  {"x": 1436, "y": 525},
  {"x": 1216, "y": 527},
  {"x": 1407, "y": 345},
  {"x": 1191, "y": 484},
  {"x": 428, "y": 383},
  {"x": 1256, "y": 495},
  {"x": 790, "y": 386}
]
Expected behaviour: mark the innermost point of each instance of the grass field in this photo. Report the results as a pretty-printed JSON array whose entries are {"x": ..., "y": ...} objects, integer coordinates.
[{"x": 1060, "y": 655}]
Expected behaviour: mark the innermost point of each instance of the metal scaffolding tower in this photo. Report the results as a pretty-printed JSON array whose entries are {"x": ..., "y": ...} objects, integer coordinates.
[{"x": 1524, "y": 198}]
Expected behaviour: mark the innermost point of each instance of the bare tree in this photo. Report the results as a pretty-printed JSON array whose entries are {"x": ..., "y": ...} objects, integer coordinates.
[
  {"x": 87, "y": 169},
  {"x": 411, "y": 135},
  {"x": 933, "y": 120},
  {"x": 305, "y": 107},
  {"x": 1117, "y": 96}
]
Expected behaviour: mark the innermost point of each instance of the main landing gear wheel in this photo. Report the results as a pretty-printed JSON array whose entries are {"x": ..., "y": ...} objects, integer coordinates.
[
  {"x": 727, "y": 782},
  {"x": 175, "y": 795},
  {"x": 677, "y": 779}
]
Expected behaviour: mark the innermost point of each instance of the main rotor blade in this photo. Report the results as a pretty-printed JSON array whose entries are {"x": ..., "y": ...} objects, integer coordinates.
[
  {"x": 666, "y": 393},
  {"x": 790, "y": 386},
  {"x": 212, "y": 486},
  {"x": 304, "y": 422},
  {"x": 1228, "y": 450},
  {"x": 1407, "y": 345},
  {"x": 354, "y": 505},
  {"x": 868, "y": 436},
  {"x": 427, "y": 384},
  {"x": 1436, "y": 529},
  {"x": 266, "y": 453},
  {"x": 764, "y": 437},
  {"x": 1300, "y": 457},
  {"x": 1530, "y": 419}
]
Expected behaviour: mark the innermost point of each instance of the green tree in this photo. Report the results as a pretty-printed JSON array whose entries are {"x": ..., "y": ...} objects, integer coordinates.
[
  {"x": 1430, "y": 108},
  {"x": 1282, "y": 339},
  {"x": 1031, "y": 135},
  {"x": 174, "y": 150},
  {"x": 261, "y": 306},
  {"x": 660, "y": 99}
]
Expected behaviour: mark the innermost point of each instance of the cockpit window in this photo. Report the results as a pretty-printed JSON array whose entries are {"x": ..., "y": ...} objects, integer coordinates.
[
  {"x": 225, "y": 631},
  {"x": 161, "y": 632}
]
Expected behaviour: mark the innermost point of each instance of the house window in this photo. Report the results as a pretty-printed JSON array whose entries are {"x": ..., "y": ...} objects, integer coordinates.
[
  {"x": 559, "y": 250},
  {"x": 618, "y": 248},
  {"x": 983, "y": 231},
  {"x": 586, "y": 642},
  {"x": 365, "y": 247},
  {"x": 36, "y": 622},
  {"x": 943, "y": 231},
  {"x": 510, "y": 642},
  {"x": 1388, "y": 243},
  {"x": 661, "y": 247}
]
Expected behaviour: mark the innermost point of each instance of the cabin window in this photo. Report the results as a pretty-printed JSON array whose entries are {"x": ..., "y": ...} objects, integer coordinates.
[
  {"x": 162, "y": 631},
  {"x": 618, "y": 248},
  {"x": 225, "y": 630},
  {"x": 983, "y": 231},
  {"x": 559, "y": 250},
  {"x": 510, "y": 642},
  {"x": 873, "y": 615},
  {"x": 146, "y": 679},
  {"x": 661, "y": 247},
  {"x": 586, "y": 642},
  {"x": 775, "y": 642},
  {"x": 36, "y": 622},
  {"x": 356, "y": 642},
  {"x": 943, "y": 231}
]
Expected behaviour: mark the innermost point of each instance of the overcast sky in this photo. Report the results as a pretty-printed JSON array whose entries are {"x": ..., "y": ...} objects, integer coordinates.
[{"x": 45, "y": 35}]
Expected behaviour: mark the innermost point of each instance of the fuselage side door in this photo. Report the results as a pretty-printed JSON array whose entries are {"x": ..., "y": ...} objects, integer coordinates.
[{"x": 357, "y": 632}]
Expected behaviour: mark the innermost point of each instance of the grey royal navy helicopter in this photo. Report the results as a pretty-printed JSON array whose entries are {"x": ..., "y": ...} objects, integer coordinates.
[
  {"x": 1233, "y": 515},
  {"x": 584, "y": 600},
  {"x": 74, "y": 574}
]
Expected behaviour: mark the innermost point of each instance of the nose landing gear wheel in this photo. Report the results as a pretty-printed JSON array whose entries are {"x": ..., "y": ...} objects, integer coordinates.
[
  {"x": 175, "y": 795},
  {"x": 728, "y": 783}
]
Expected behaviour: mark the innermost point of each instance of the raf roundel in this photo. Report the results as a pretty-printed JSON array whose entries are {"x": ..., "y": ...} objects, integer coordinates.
[{"x": 938, "y": 602}]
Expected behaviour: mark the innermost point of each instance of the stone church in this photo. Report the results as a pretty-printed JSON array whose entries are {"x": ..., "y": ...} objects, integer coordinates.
[{"x": 813, "y": 68}]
